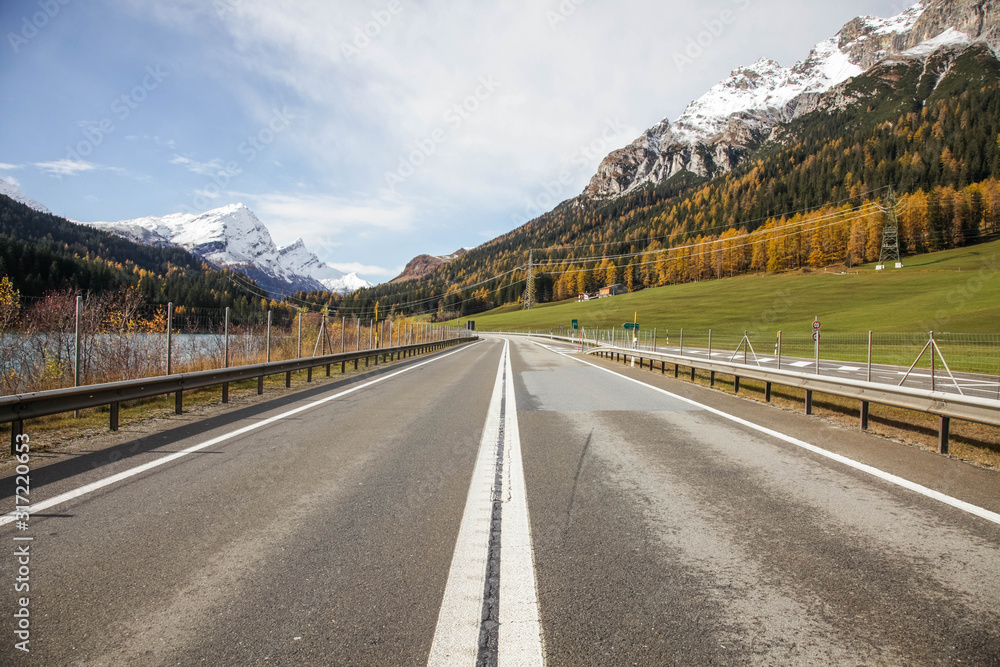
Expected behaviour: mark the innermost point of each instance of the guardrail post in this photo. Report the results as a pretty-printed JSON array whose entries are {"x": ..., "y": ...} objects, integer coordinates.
[
  {"x": 767, "y": 392},
  {"x": 114, "y": 416},
  {"x": 260, "y": 385},
  {"x": 16, "y": 429},
  {"x": 179, "y": 402},
  {"x": 809, "y": 401},
  {"x": 309, "y": 374},
  {"x": 288, "y": 379},
  {"x": 943, "y": 434},
  {"x": 736, "y": 384},
  {"x": 711, "y": 378},
  {"x": 677, "y": 370},
  {"x": 692, "y": 374},
  {"x": 864, "y": 415}
]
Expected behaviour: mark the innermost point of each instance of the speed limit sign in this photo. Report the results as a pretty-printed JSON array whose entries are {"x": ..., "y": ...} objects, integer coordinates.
[{"x": 816, "y": 325}]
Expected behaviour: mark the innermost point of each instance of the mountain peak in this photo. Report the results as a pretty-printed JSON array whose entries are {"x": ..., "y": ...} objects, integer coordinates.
[
  {"x": 14, "y": 192},
  {"x": 718, "y": 130},
  {"x": 233, "y": 236}
]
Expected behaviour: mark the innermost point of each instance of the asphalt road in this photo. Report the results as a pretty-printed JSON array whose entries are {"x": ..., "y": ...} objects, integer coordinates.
[{"x": 507, "y": 504}]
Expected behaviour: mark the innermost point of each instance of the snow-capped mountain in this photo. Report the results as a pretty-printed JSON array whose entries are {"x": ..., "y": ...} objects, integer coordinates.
[
  {"x": 9, "y": 189},
  {"x": 299, "y": 261},
  {"x": 717, "y": 131},
  {"x": 232, "y": 236}
]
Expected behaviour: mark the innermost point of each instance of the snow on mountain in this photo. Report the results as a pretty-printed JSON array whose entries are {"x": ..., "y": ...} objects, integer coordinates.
[
  {"x": 232, "y": 236},
  {"x": 297, "y": 259},
  {"x": 9, "y": 189},
  {"x": 948, "y": 38},
  {"x": 349, "y": 282},
  {"x": 718, "y": 130}
]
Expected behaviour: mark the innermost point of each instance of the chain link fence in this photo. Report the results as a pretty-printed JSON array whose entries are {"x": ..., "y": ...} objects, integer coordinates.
[
  {"x": 966, "y": 363},
  {"x": 64, "y": 341}
]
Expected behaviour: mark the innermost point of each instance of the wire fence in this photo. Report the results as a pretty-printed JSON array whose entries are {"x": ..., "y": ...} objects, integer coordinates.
[
  {"x": 974, "y": 359},
  {"x": 66, "y": 341}
]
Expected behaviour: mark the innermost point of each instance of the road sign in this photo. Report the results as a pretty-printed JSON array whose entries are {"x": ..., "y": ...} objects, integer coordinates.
[
  {"x": 816, "y": 335},
  {"x": 816, "y": 325},
  {"x": 575, "y": 323},
  {"x": 631, "y": 325}
]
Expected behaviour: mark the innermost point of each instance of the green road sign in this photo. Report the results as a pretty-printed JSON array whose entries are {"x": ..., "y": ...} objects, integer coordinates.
[
  {"x": 631, "y": 325},
  {"x": 575, "y": 323}
]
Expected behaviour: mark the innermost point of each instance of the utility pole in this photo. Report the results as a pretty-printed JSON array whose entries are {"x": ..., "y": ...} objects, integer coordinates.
[
  {"x": 529, "y": 290},
  {"x": 890, "y": 234}
]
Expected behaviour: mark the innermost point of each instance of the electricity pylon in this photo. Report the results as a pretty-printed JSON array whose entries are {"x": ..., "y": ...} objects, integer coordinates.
[{"x": 890, "y": 234}]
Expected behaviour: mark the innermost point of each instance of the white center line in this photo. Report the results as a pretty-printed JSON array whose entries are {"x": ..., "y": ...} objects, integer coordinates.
[
  {"x": 456, "y": 637},
  {"x": 131, "y": 472}
]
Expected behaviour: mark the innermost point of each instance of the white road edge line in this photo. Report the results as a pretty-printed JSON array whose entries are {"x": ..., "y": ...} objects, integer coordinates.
[
  {"x": 456, "y": 636},
  {"x": 131, "y": 472},
  {"x": 863, "y": 467}
]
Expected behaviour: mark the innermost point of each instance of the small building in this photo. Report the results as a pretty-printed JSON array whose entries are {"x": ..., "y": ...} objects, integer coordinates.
[
  {"x": 583, "y": 297},
  {"x": 612, "y": 290}
]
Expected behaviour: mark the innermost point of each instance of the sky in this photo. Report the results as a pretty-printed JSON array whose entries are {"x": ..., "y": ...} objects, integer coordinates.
[{"x": 375, "y": 130}]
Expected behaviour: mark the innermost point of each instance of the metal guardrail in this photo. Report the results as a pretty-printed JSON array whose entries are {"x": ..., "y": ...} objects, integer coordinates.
[
  {"x": 18, "y": 407},
  {"x": 946, "y": 406}
]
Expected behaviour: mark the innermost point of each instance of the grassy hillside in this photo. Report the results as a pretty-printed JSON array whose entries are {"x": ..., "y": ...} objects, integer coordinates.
[{"x": 955, "y": 290}]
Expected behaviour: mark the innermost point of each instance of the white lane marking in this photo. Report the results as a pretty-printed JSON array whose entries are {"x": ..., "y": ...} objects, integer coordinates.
[
  {"x": 131, "y": 472},
  {"x": 802, "y": 364},
  {"x": 863, "y": 467},
  {"x": 456, "y": 637},
  {"x": 849, "y": 368},
  {"x": 520, "y": 634}
]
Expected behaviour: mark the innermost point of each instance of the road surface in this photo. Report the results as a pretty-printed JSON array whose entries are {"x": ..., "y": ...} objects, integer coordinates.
[{"x": 506, "y": 503}]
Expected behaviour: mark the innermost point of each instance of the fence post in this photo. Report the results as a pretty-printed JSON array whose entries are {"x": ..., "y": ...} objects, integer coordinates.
[
  {"x": 268, "y": 357},
  {"x": 170, "y": 331},
  {"x": 225, "y": 356},
  {"x": 76, "y": 349},
  {"x": 299, "y": 356},
  {"x": 682, "y": 340},
  {"x": 869, "y": 359},
  {"x": 933, "y": 346},
  {"x": 709, "y": 344}
]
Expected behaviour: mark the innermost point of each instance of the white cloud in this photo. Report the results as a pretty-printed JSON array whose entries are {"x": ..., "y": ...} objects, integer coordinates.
[
  {"x": 210, "y": 168},
  {"x": 66, "y": 167},
  {"x": 365, "y": 269},
  {"x": 7, "y": 167}
]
